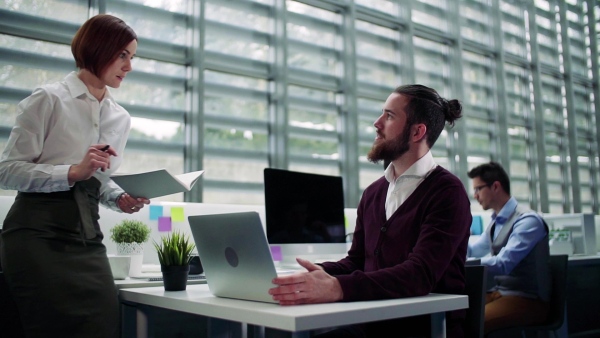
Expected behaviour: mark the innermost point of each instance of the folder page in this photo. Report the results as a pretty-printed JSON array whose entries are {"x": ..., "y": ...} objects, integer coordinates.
[
  {"x": 156, "y": 183},
  {"x": 189, "y": 179}
]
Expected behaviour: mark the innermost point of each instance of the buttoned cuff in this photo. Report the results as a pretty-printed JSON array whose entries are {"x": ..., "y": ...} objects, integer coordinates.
[{"x": 60, "y": 177}]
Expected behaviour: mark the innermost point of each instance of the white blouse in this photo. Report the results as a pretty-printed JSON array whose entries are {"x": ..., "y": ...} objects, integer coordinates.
[{"x": 55, "y": 127}]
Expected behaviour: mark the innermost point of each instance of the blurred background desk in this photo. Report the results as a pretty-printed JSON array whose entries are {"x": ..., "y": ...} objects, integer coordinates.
[{"x": 583, "y": 296}]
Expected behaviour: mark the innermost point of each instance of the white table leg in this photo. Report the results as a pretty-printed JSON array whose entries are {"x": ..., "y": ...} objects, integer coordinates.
[
  {"x": 438, "y": 325},
  {"x": 141, "y": 321},
  {"x": 220, "y": 328},
  {"x": 273, "y": 333}
]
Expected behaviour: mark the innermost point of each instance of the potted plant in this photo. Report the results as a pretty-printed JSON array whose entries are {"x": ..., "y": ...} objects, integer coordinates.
[
  {"x": 130, "y": 236},
  {"x": 174, "y": 256}
]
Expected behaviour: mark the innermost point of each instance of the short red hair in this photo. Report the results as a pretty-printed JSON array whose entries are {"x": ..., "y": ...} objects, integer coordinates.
[{"x": 99, "y": 41}]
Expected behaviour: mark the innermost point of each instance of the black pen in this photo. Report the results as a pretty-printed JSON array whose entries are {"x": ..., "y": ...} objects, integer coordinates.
[{"x": 105, "y": 148}]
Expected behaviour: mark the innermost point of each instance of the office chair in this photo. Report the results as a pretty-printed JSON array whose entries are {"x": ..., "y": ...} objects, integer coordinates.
[
  {"x": 475, "y": 289},
  {"x": 558, "y": 297},
  {"x": 10, "y": 323}
]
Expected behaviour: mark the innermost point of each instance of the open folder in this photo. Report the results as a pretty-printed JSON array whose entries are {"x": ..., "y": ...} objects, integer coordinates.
[{"x": 156, "y": 183}]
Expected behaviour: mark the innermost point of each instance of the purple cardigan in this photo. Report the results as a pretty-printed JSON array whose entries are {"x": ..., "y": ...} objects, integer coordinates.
[{"x": 421, "y": 249}]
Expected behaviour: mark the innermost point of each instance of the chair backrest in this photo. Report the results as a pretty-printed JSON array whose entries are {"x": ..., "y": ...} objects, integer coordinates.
[
  {"x": 558, "y": 294},
  {"x": 475, "y": 289}
]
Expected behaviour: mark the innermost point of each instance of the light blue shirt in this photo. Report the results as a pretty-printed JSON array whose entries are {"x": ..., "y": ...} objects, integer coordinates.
[{"x": 528, "y": 230}]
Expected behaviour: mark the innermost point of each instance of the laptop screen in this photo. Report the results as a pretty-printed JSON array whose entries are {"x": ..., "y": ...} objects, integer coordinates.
[{"x": 303, "y": 208}]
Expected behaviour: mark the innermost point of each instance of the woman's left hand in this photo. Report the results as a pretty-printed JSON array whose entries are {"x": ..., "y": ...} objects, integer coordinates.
[{"x": 129, "y": 205}]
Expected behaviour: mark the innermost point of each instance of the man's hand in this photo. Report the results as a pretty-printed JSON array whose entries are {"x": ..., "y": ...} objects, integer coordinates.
[{"x": 313, "y": 286}]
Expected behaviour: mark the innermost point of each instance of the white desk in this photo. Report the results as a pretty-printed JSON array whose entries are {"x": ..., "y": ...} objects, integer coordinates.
[
  {"x": 144, "y": 283},
  {"x": 227, "y": 317}
]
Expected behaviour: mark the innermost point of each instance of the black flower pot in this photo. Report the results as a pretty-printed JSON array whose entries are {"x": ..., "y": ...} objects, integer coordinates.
[
  {"x": 175, "y": 276},
  {"x": 195, "y": 266}
]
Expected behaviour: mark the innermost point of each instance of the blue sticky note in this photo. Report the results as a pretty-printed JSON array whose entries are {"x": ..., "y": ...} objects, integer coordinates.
[{"x": 156, "y": 211}]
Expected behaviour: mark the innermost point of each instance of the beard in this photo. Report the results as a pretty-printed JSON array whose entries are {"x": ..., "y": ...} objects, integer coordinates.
[{"x": 389, "y": 150}]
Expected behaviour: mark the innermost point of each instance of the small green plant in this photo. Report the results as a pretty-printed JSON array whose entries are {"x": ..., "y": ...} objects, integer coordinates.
[
  {"x": 174, "y": 249},
  {"x": 130, "y": 231}
]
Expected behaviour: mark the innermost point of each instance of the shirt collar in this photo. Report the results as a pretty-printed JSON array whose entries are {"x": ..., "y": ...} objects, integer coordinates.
[
  {"x": 78, "y": 88},
  {"x": 421, "y": 168},
  {"x": 507, "y": 210}
]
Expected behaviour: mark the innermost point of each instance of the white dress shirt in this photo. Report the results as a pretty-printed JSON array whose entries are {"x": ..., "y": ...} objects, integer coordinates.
[
  {"x": 402, "y": 187},
  {"x": 55, "y": 127}
]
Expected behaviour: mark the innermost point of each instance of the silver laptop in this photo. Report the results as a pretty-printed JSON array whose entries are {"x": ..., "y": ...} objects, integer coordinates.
[{"x": 235, "y": 255}]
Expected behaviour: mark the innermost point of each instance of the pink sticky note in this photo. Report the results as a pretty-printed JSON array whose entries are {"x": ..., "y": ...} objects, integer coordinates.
[
  {"x": 164, "y": 224},
  {"x": 276, "y": 252}
]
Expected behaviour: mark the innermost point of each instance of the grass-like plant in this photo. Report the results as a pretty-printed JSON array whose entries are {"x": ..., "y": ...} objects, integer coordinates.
[
  {"x": 174, "y": 249},
  {"x": 130, "y": 231}
]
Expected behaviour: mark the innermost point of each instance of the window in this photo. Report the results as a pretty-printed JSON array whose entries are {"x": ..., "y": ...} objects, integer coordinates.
[{"x": 234, "y": 87}]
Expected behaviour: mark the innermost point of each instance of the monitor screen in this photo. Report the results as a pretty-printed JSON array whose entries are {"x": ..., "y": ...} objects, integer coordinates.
[
  {"x": 303, "y": 208},
  {"x": 476, "y": 225}
]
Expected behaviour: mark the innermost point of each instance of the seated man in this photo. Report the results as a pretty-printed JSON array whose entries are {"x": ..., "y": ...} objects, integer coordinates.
[
  {"x": 412, "y": 225},
  {"x": 515, "y": 249}
]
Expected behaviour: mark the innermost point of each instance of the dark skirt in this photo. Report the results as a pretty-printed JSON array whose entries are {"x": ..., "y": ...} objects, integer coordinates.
[{"x": 61, "y": 281}]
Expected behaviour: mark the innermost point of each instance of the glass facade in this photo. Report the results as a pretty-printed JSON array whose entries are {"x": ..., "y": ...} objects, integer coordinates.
[{"x": 234, "y": 87}]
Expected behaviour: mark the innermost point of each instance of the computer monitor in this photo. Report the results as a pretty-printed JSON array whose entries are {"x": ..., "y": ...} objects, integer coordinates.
[
  {"x": 304, "y": 213},
  {"x": 476, "y": 225}
]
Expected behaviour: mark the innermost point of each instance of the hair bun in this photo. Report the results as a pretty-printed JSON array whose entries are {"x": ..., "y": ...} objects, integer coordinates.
[{"x": 453, "y": 111}]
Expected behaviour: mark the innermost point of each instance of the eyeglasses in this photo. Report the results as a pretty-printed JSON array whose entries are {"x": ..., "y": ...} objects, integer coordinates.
[{"x": 477, "y": 189}]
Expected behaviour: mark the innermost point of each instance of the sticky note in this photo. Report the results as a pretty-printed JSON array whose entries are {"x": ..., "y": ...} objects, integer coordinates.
[
  {"x": 156, "y": 211},
  {"x": 177, "y": 214},
  {"x": 164, "y": 224},
  {"x": 276, "y": 253}
]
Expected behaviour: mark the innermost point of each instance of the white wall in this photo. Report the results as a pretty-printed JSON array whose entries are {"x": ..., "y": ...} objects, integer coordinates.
[{"x": 109, "y": 218}]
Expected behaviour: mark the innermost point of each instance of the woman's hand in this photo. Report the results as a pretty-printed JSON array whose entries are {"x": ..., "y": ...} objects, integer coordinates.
[
  {"x": 129, "y": 205},
  {"x": 97, "y": 157}
]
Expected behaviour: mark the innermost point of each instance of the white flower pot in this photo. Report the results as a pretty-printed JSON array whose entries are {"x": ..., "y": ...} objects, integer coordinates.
[{"x": 136, "y": 252}]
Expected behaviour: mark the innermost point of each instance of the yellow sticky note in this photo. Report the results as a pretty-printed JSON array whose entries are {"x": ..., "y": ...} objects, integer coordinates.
[{"x": 177, "y": 214}]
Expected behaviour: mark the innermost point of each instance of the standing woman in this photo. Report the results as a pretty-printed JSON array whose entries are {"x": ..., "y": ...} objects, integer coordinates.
[{"x": 65, "y": 144}]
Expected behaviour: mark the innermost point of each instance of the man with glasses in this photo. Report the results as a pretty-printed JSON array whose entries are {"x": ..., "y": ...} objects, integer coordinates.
[{"x": 514, "y": 247}]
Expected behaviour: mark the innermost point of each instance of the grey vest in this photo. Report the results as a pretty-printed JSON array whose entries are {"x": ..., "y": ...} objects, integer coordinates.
[{"x": 531, "y": 275}]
